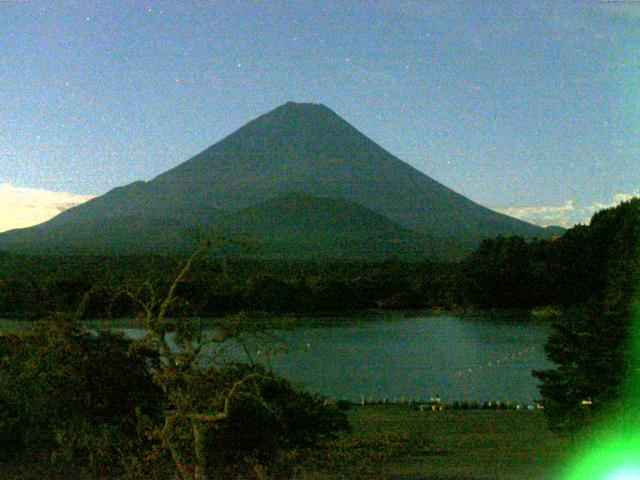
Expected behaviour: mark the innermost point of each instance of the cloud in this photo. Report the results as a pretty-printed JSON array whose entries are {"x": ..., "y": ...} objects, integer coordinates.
[
  {"x": 23, "y": 207},
  {"x": 616, "y": 199},
  {"x": 566, "y": 215},
  {"x": 544, "y": 215}
]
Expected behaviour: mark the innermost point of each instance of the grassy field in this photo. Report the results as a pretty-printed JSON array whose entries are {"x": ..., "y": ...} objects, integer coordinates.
[
  {"x": 394, "y": 442},
  {"x": 398, "y": 442}
]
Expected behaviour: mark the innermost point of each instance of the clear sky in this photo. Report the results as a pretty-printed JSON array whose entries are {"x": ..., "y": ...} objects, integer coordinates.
[{"x": 529, "y": 107}]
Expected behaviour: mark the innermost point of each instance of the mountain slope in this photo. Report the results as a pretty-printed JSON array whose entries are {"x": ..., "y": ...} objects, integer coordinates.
[
  {"x": 295, "y": 226},
  {"x": 303, "y": 148},
  {"x": 121, "y": 235}
]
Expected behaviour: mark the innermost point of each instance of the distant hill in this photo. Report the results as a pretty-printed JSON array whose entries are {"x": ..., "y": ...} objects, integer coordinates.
[
  {"x": 246, "y": 177},
  {"x": 304, "y": 226}
]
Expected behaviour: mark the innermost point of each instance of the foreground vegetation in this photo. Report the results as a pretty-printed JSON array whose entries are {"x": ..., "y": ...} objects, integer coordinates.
[
  {"x": 399, "y": 442},
  {"x": 84, "y": 405},
  {"x": 93, "y": 405}
]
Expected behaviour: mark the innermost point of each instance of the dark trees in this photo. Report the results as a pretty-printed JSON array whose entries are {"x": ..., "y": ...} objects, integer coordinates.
[
  {"x": 76, "y": 398},
  {"x": 592, "y": 350},
  {"x": 98, "y": 404},
  {"x": 498, "y": 274}
]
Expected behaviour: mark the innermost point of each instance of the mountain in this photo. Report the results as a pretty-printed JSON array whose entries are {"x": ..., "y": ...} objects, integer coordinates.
[{"x": 296, "y": 148}]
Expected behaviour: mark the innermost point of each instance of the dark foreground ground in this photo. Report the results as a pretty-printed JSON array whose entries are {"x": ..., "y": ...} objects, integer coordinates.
[{"x": 396, "y": 442}]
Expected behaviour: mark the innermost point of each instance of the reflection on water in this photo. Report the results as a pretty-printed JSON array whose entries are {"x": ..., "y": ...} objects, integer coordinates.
[{"x": 419, "y": 357}]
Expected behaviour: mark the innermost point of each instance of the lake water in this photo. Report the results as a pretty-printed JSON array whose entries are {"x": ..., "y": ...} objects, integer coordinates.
[
  {"x": 413, "y": 357},
  {"x": 418, "y": 357}
]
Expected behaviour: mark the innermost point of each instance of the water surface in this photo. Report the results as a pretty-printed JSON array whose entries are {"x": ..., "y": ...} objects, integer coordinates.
[
  {"x": 454, "y": 358},
  {"x": 411, "y": 357}
]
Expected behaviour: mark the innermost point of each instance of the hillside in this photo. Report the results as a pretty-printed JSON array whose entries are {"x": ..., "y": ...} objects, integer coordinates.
[
  {"x": 304, "y": 226},
  {"x": 292, "y": 226}
]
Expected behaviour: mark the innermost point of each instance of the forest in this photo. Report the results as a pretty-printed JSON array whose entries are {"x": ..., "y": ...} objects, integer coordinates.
[{"x": 504, "y": 272}]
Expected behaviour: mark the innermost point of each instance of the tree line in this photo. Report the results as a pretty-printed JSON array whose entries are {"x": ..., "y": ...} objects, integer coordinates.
[
  {"x": 31, "y": 287},
  {"x": 503, "y": 272}
]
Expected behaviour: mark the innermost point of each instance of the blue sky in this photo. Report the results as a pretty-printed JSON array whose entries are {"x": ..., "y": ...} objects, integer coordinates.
[{"x": 529, "y": 107}]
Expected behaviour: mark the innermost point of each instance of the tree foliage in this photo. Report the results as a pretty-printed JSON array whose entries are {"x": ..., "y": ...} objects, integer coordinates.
[
  {"x": 76, "y": 398},
  {"x": 591, "y": 349},
  {"x": 224, "y": 419}
]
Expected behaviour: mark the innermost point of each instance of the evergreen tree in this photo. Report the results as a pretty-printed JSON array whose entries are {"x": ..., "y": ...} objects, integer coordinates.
[{"x": 591, "y": 349}]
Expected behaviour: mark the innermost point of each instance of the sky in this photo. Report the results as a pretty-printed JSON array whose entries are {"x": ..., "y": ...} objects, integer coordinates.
[{"x": 531, "y": 108}]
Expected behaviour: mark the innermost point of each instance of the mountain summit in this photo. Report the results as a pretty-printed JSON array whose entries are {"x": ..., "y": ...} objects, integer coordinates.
[{"x": 299, "y": 148}]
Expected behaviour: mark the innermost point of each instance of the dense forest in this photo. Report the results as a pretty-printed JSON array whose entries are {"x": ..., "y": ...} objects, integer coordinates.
[
  {"x": 504, "y": 272},
  {"x": 592, "y": 347}
]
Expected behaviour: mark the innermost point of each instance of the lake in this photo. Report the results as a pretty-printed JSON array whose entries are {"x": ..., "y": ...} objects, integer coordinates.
[
  {"x": 418, "y": 357},
  {"x": 397, "y": 356}
]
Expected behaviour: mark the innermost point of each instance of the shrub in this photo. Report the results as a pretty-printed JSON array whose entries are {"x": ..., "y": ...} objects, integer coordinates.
[
  {"x": 249, "y": 420},
  {"x": 75, "y": 397}
]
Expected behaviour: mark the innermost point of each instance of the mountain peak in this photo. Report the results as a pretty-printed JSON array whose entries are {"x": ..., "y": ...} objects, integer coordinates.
[
  {"x": 302, "y": 110},
  {"x": 293, "y": 124},
  {"x": 305, "y": 110},
  {"x": 303, "y": 105}
]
